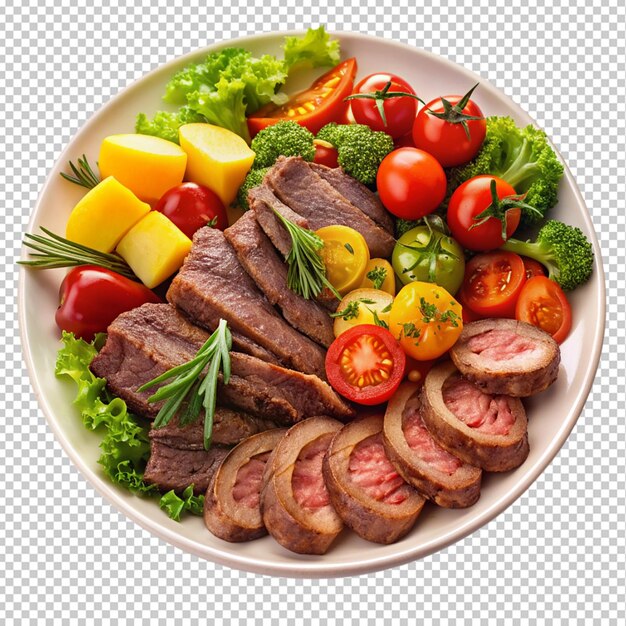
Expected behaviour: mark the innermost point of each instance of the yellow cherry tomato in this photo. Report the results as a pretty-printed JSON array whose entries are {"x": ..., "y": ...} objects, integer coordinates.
[
  {"x": 426, "y": 320},
  {"x": 362, "y": 306},
  {"x": 379, "y": 275},
  {"x": 345, "y": 255}
]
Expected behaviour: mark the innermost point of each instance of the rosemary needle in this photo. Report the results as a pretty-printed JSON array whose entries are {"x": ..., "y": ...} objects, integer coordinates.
[{"x": 84, "y": 175}]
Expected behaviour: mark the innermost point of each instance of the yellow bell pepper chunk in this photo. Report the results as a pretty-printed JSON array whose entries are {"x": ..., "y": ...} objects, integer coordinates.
[
  {"x": 154, "y": 248},
  {"x": 216, "y": 158},
  {"x": 104, "y": 215},
  {"x": 147, "y": 165}
]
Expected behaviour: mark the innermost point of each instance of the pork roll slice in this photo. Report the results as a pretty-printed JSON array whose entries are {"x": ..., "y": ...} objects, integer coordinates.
[
  {"x": 232, "y": 503},
  {"x": 420, "y": 460},
  {"x": 171, "y": 468},
  {"x": 295, "y": 504},
  {"x": 482, "y": 429},
  {"x": 260, "y": 259},
  {"x": 356, "y": 193},
  {"x": 309, "y": 195},
  {"x": 364, "y": 487},
  {"x": 508, "y": 357},
  {"x": 212, "y": 283}
]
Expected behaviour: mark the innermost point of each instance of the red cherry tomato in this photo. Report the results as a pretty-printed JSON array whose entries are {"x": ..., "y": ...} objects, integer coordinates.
[
  {"x": 444, "y": 135},
  {"x": 492, "y": 283},
  {"x": 415, "y": 371},
  {"x": 191, "y": 206},
  {"x": 325, "y": 154},
  {"x": 92, "y": 297},
  {"x": 467, "y": 315},
  {"x": 543, "y": 303},
  {"x": 320, "y": 104},
  {"x": 410, "y": 183},
  {"x": 376, "y": 91},
  {"x": 365, "y": 364},
  {"x": 406, "y": 141},
  {"x": 467, "y": 213},
  {"x": 533, "y": 268}
]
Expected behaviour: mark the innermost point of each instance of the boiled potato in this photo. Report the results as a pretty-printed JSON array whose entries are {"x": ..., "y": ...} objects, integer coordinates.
[
  {"x": 154, "y": 248},
  {"x": 216, "y": 158},
  {"x": 147, "y": 165},
  {"x": 104, "y": 215}
]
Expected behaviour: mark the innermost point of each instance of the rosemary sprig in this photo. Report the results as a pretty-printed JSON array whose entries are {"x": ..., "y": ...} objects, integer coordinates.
[
  {"x": 307, "y": 274},
  {"x": 189, "y": 385},
  {"x": 54, "y": 251},
  {"x": 83, "y": 174}
]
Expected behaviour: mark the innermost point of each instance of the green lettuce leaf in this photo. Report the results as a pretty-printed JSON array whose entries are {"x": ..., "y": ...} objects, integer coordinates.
[
  {"x": 174, "y": 505},
  {"x": 315, "y": 49},
  {"x": 165, "y": 124}
]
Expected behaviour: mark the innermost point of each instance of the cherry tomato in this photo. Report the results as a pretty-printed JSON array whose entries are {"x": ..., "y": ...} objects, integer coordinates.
[
  {"x": 476, "y": 217},
  {"x": 410, "y": 183},
  {"x": 468, "y": 315},
  {"x": 320, "y": 104},
  {"x": 325, "y": 153},
  {"x": 493, "y": 282},
  {"x": 191, "y": 206},
  {"x": 451, "y": 128},
  {"x": 92, "y": 297},
  {"x": 533, "y": 268},
  {"x": 376, "y": 92},
  {"x": 544, "y": 304},
  {"x": 365, "y": 364},
  {"x": 406, "y": 141},
  {"x": 426, "y": 320},
  {"x": 360, "y": 307},
  {"x": 415, "y": 371}
]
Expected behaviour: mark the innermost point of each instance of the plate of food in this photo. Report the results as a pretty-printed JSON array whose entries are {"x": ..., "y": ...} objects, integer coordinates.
[{"x": 293, "y": 307}]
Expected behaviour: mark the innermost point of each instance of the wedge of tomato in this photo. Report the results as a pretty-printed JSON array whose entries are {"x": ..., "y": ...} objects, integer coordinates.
[
  {"x": 320, "y": 104},
  {"x": 544, "y": 304},
  {"x": 493, "y": 282},
  {"x": 365, "y": 364}
]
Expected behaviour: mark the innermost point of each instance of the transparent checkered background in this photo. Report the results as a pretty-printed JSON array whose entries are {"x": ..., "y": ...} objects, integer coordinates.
[{"x": 556, "y": 554}]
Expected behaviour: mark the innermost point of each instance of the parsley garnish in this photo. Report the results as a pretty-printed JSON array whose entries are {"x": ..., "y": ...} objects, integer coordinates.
[
  {"x": 377, "y": 276},
  {"x": 352, "y": 309},
  {"x": 349, "y": 248}
]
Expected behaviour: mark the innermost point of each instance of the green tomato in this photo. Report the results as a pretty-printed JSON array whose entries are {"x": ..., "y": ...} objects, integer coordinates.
[{"x": 428, "y": 255}]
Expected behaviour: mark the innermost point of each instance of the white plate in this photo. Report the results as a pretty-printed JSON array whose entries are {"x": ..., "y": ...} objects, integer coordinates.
[{"x": 552, "y": 414}]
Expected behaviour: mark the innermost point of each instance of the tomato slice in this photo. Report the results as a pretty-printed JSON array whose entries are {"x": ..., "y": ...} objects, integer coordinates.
[
  {"x": 493, "y": 282},
  {"x": 365, "y": 364},
  {"x": 543, "y": 303},
  {"x": 320, "y": 104},
  {"x": 533, "y": 268}
]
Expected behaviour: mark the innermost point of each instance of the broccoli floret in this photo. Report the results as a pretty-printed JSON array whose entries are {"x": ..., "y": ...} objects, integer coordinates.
[
  {"x": 520, "y": 156},
  {"x": 360, "y": 149},
  {"x": 283, "y": 139},
  {"x": 253, "y": 179},
  {"x": 563, "y": 250}
]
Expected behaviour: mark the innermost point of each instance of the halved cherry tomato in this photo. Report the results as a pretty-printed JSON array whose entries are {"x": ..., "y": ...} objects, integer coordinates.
[
  {"x": 321, "y": 103},
  {"x": 443, "y": 133},
  {"x": 426, "y": 320},
  {"x": 543, "y": 303},
  {"x": 493, "y": 282},
  {"x": 533, "y": 268},
  {"x": 410, "y": 183},
  {"x": 191, "y": 206},
  {"x": 92, "y": 297},
  {"x": 325, "y": 153},
  {"x": 476, "y": 218},
  {"x": 468, "y": 315},
  {"x": 375, "y": 92},
  {"x": 365, "y": 364}
]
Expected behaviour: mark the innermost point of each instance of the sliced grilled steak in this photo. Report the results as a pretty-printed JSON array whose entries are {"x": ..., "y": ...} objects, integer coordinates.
[
  {"x": 260, "y": 259},
  {"x": 420, "y": 460},
  {"x": 232, "y": 503},
  {"x": 263, "y": 202},
  {"x": 507, "y": 357},
  {"x": 356, "y": 193},
  {"x": 364, "y": 487},
  {"x": 309, "y": 195},
  {"x": 213, "y": 283},
  {"x": 485, "y": 430},
  {"x": 229, "y": 428},
  {"x": 151, "y": 339},
  {"x": 171, "y": 468}
]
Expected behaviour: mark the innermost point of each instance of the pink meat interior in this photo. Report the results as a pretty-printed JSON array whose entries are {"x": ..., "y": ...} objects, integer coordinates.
[
  {"x": 248, "y": 481},
  {"x": 307, "y": 482},
  {"x": 421, "y": 442},
  {"x": 502, "y": 345},
  {"x": 371, "y": 470},
  {"x": 486, "y": 413}
]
